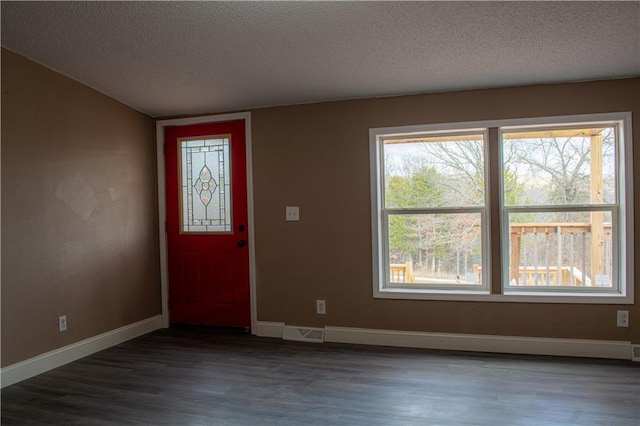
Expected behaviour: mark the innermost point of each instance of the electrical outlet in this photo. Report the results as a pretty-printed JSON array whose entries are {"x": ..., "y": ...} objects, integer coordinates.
[
  {"x": 62, "y": 323},
  {"x": 623, "y": 319},
  {"x": 321, "y": 307},
  {"x": 292, "y": 213}
]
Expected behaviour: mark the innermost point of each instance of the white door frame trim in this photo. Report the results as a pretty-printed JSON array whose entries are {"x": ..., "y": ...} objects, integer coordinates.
[{"x": 162, "y": 205}]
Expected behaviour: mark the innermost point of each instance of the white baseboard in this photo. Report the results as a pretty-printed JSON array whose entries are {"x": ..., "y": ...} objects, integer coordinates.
[
  {"x": 482, "y": 343},
  {"x": 48, "y": 361},
  {"x": 447, "y": 341},
  {"x": 468, "y": 342},
  {"x": 269, "y": 329}
]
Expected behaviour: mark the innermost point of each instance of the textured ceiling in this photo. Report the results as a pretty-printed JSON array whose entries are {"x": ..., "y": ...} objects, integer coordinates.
[{"x": 175, "y": 58}]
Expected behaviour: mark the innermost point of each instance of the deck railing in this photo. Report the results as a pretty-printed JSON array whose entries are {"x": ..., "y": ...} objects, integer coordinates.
[
  {"x": 546, "y": 254},
  {"x": 557, "y": 254},
  {"x": 537, "y": 276},
  {"x": 402, "y": 272},
  {"x": 551, "y": 247}
]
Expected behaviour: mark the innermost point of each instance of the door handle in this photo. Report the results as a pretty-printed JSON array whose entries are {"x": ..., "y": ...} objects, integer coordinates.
[{"x": 242, "y": 243}]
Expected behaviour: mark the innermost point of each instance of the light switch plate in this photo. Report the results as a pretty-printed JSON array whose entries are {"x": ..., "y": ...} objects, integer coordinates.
[{"x": 292, "y": 213}]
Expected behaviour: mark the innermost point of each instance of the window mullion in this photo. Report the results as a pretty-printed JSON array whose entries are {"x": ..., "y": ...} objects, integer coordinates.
[{"x": 494, "y": 208}]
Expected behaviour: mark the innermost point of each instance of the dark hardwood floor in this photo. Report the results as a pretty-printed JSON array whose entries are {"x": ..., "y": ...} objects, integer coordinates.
[{"x": 199, "y": 376}]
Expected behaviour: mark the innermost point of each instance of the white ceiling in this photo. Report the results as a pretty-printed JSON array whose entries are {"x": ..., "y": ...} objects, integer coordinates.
[{"x": 175, "y": 58}]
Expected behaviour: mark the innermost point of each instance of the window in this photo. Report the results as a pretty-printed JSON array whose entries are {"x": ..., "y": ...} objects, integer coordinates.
[
  {"x": 434, "y": 210},
  {"x": 205, "y": 185},
  {"x": 563, "y": 210}
]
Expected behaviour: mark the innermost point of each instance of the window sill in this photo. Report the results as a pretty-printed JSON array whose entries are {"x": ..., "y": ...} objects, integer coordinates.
[{"x": 520, "y": 297}]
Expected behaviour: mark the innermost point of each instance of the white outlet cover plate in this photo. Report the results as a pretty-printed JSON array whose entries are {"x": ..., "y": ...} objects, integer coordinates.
[
  {"x": 623, "y": 319},
  {"x": 292, "y": 213},
  {"x": 62, "y": 323}
]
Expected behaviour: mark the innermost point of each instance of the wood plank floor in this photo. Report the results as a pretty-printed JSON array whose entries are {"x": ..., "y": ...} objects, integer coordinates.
[{"x": 199, "y": 376}]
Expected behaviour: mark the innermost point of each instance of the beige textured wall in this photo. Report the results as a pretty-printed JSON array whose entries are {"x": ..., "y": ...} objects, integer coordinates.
[
  {"x": 79, "y": 211},
  {"x": 317, "y": 157}
]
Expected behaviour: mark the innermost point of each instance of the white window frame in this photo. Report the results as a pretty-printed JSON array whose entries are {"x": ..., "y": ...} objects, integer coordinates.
[{"x": 623, "y": 247}]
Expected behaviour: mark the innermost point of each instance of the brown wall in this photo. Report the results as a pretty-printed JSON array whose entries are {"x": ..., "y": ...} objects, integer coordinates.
[
  {"x": 79, "y": 211},
  {"x": 317, "y": 157}
]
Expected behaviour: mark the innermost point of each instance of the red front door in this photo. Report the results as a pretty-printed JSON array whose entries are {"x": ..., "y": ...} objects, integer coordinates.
[{"x": 207, "y": 224}]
